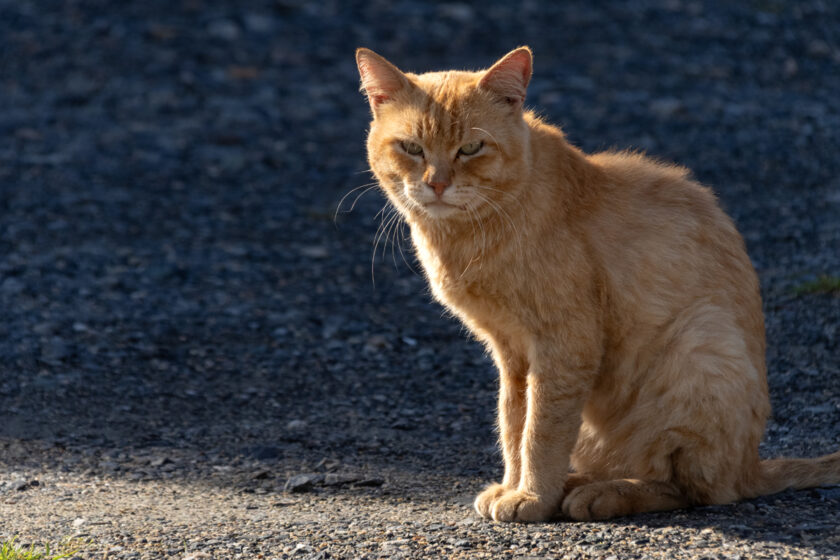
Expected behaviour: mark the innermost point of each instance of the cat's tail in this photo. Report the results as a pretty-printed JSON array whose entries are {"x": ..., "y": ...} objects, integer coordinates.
[{"x": 776, "y": 475}]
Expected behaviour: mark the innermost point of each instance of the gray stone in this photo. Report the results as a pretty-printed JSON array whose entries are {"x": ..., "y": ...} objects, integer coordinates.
[
  {"x": 302, "y": 482},
  {"x": 337, "y": 479},
  {"x": 11, "y": 286},
  {"x": 224, "y": 29}
]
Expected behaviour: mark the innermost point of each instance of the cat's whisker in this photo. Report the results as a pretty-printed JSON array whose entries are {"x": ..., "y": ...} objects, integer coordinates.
[
  {"x": 502, "y": 212},
  {"x": 400, "y": 238},
  {"x": 474, "y": 217},
  {"x": 473, "y": 220},
  {"x": 487, "y": 133},
  {"x": 360, "y": 195},
  {"x": 496, "y": 204},
  {"x": 386, "y": 223},
  {"x": 466, "y": 268},
  {"x": 486, "y": 201},
  {"x": 512, "y": 224},
  {"x": 373, "y": 256},
  {"x": 472, "y": 225},
  {"x": 504, "y": 216},
  {"x": 509, "y": 195},
  {"x": 369, "y": 186},
  {"x": 497, "y": 207},
  {"x": 390, "y": 237},
  {"x": 387, "y": 206},
  {"x": 377, "y": 236},
  {"x": 392, "y": 223}
]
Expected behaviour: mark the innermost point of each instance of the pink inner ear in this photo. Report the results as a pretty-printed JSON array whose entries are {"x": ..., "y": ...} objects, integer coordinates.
[
  {"x": 379, "y": 80},
  {"x": 510, "y": 76},
  {"x": 376, "y": 99}
]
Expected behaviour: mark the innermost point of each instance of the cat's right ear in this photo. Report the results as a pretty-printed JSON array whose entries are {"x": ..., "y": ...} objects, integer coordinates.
[
  {"x": 381, "y": 80},
  {"x": 509, "y": 77}
]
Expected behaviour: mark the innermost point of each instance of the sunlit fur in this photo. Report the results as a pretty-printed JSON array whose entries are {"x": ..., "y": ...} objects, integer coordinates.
[{"x": 614, "y": 295}]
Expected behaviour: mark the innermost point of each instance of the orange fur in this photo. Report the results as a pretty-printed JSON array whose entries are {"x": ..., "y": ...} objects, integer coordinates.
[{"x": 615, "y": 296}]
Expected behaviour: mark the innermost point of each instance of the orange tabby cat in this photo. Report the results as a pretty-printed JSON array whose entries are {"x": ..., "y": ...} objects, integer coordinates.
[{"x": 615, "y": 296}]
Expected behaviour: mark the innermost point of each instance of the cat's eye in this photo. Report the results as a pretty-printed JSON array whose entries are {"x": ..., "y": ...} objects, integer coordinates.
[
  {"x": 412, "y": 148},
  {"x": 470, "y": 149}
]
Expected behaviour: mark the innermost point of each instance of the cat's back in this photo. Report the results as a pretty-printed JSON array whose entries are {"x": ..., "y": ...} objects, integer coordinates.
[
  {"x": 657, "y": 205},
  {"x": 664, "y": 243},
  {"x": 657, "y": 190}
]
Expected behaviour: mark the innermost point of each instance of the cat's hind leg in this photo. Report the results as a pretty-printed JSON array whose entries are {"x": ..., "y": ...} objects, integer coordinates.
[
  {"x": 575, "y": 480},
  {"x": 615, "y": 498},
  {"x": 690, "y": 433}
]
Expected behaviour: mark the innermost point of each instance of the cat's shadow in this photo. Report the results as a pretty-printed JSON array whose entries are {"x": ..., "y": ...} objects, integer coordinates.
[{"x": 804, "y": 519}]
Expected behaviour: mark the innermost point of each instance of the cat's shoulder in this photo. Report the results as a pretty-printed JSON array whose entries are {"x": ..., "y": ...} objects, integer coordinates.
[{"x": 637, "y": 166}]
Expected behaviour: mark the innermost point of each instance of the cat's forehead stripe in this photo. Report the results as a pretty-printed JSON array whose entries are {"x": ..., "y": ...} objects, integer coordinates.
[{"x": 442, "y": 114}]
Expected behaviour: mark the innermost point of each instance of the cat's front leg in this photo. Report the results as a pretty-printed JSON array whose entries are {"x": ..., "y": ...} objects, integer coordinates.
[
  {"x": 513, "y": 368},
  {"x": 555, "y": 398},
  {"x": 511, "y": 424}
]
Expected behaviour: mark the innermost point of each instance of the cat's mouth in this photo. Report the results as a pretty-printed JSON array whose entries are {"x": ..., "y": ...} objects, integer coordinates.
[
  {"x": 439, "y": 208},
  {"x": 441, "y": 204}
]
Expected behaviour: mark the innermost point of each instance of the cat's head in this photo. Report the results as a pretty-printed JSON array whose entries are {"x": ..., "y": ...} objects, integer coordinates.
[{"x": 448, "y": 145}]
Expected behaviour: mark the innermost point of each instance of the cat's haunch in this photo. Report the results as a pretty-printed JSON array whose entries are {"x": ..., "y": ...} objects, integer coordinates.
[{"x": 616, "y": 298}]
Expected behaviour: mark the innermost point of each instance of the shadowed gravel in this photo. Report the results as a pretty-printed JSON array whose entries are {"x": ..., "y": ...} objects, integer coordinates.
[{"x": 201, "y": 358}]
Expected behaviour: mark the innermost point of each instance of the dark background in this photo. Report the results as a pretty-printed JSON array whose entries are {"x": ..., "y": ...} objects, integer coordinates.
[{"x": 173, "y": 272}]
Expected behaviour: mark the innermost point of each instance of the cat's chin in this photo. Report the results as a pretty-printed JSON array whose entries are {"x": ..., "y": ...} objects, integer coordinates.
[{"x": 439, "y": 210}]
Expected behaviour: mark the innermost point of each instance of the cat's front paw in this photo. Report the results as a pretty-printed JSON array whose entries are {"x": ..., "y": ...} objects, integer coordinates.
[
  {"x": 516, "y": 505},
  {"x": 484, "y": 501}
]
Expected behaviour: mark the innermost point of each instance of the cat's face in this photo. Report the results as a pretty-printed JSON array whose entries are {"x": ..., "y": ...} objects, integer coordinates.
[{"x": 447, "y": 145}]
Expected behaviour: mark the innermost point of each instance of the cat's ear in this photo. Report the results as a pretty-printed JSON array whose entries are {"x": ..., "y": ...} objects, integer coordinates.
[
  {"x": 509, "y": 77},
  {"x": 381, "y": 80}
]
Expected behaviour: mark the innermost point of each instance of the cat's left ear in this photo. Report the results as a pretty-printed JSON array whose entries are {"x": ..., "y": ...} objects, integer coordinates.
[
  {"x": 381, "y": 80},
  {"x": 509, "y": 77}
]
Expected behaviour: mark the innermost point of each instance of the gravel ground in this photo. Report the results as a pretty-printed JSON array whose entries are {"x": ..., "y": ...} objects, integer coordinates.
[{"x": 198, "y": 361}]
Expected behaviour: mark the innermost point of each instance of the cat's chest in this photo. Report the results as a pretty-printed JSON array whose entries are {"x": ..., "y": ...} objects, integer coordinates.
[{"x": 470, "y": 286}]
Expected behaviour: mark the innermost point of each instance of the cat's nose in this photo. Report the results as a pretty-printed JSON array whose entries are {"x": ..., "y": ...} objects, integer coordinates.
[{"x": 438, "y": 187}]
